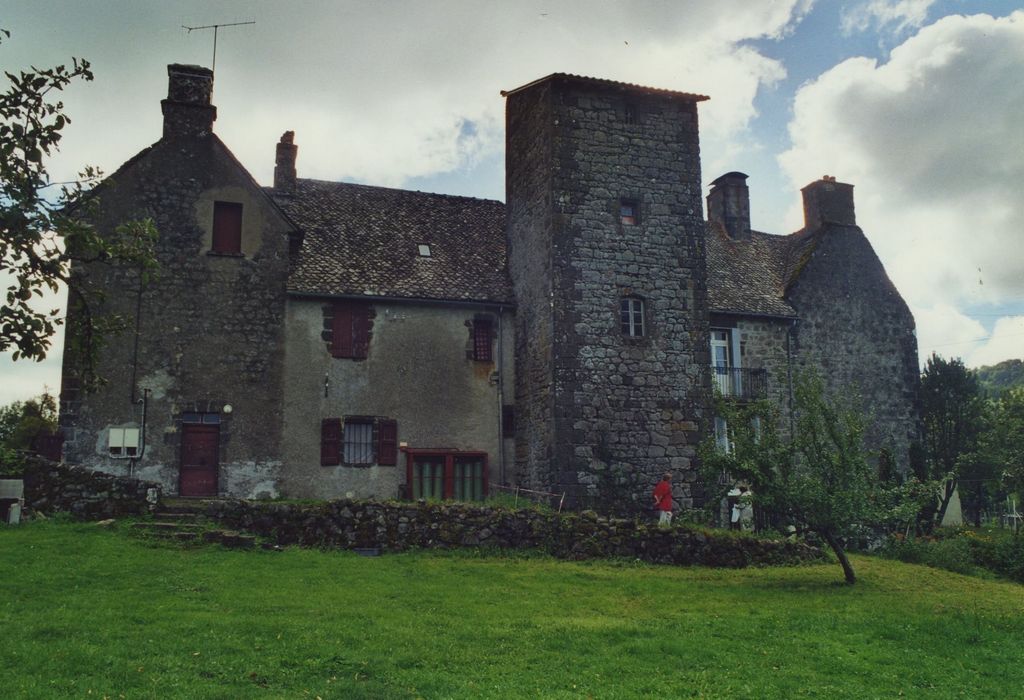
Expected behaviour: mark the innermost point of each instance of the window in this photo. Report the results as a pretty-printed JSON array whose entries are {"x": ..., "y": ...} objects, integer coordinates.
[
  {"x": 482, "y": 340},
  {"x": 358, "y": 440},
  {"x": 123, "y": 442},
  {"x": 433, "y": 474},
  {"x": 350, "y": 330},
  {"x": 722, "y": 442},
  {"x": 508, "y": 420},
  {"x": 629, "y": 113},
  {"x": 629, "y": 212},
  {"x": 424, "y": 250},
  {"x": 632, "y": 317},
  {"x": 227, "y": 228}
]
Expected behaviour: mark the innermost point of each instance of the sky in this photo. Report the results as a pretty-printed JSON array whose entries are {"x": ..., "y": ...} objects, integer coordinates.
[{"x": 917, "y": 103}]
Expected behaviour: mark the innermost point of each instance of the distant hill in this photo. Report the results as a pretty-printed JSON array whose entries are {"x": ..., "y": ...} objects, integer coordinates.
[{"x": 996, "y": 379}]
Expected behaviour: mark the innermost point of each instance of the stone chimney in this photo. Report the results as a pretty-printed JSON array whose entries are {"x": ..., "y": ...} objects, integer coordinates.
[
  {"x": 828, "y": 202},
  {"x": 284, "y": 166},
  {"x": 729, "y": 205},
  {"x": 187, "y": 109}
]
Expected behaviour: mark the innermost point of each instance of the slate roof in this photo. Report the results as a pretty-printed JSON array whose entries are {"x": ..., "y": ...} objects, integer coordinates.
[
  {"x": 605, "y": 83},
  {"x": 363, "y": 240},
  {"x": 752, "y": 276}
]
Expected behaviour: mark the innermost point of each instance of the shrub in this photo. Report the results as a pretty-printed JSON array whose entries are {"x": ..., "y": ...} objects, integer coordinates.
[{"x": 964, "y": 551}]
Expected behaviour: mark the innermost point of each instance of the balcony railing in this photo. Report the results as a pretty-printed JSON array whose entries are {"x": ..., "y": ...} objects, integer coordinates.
[{"x": 740, "y": 382}]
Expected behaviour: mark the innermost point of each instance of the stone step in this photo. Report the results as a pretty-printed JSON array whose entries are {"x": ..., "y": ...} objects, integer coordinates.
[
  {"x": 230, "y": 538},
  {"x": 155, "y": 526}
]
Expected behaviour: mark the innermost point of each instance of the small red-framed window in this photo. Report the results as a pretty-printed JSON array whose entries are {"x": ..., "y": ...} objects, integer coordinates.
[
  {"x": 629, "y": 212},
  {"x": 482, "y": 339},
  {"x": 441, "y": 474},
  {"x": 227, "y": 228}
]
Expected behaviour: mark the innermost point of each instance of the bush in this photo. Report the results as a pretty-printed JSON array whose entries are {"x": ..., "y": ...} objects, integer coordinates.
[{"x": 964, "y": 551}]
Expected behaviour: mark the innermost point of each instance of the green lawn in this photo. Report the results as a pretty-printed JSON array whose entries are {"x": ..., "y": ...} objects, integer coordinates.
[{"x": 87, "y": 612}]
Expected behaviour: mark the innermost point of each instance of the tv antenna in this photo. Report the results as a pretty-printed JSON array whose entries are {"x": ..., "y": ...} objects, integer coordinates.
[{"x": 215, "y": 27}]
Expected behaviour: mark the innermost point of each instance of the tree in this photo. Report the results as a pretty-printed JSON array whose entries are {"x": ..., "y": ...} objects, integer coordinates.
[
  {"x": 22, "y": 423},
  {"x": 953, "y": 418},
  {"x": 44, "y": 227},
  {"x": 1004, "y": 440},
  {"x": 819, "y": 479}
]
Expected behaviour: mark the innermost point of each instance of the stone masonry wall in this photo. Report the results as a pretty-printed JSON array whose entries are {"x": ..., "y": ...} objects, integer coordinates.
[
  {"x": 529, "y": 134},
  {"x": 401, "y": 526},
  {"x": 858, "y": 333},
  {"x": 763, "y": 346},
  {"x": 87, "y": 495},
  {"x": 624, "y": 409},
  {"x": 210, "y": 328}
]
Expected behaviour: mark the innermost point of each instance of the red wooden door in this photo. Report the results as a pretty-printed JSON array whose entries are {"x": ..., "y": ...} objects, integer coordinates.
[{"x": 200, "y": 446}]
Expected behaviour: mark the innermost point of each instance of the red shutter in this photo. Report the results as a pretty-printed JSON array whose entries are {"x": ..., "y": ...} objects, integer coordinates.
[
  {"x": 330, "y": 442},
  {"x": 227, "y": 227},
  {"x": 341, "y": 330},
  {"x": 360, "y": 331},
  {"x": 387, "y": 442}
]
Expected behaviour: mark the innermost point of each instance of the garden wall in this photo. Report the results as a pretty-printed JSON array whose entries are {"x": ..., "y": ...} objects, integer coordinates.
[
  {"x": 85, "y": 494},
  {"x": 400, "y": 526}
]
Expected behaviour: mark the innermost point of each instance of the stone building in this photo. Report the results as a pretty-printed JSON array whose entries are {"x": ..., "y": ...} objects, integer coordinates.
[{"x": 320, "y": 339}]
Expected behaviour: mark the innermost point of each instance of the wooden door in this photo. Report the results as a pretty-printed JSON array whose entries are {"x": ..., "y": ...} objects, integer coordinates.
[{"x": 200, "y": 446}]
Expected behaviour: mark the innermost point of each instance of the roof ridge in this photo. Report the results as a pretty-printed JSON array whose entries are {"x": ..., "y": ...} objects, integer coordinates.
[{"x": 339, "y": 183}]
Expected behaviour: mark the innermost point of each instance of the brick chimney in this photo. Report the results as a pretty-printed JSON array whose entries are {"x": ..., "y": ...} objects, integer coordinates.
[
  {"x": 828, "y": 202},
  {"x": 729, "y": 205},
  {"x": 187, "y": 109},
  {"x": 284, "y": 166}
]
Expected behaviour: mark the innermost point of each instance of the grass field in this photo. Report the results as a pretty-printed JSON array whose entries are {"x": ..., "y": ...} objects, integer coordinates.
[{"x": 92, "y": 613}]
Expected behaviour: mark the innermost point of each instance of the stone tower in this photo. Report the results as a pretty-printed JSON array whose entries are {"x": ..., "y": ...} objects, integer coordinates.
[{"x": 607, "y": 258}]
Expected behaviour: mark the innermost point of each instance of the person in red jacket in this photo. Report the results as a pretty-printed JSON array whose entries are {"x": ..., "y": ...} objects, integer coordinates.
[{"x": 663, "y": 499}]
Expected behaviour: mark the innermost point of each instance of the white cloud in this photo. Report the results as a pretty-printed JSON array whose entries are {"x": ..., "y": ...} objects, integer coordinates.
[
  {"x": 896, "y": 15},
  {"x": 1005, "y": 343},
  {"x": 933, "y": 142},
  {"x": 945, "y": 331}
]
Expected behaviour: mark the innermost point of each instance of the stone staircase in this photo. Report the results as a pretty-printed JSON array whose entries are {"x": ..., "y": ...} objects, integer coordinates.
[{"x": 184, "y": 520}]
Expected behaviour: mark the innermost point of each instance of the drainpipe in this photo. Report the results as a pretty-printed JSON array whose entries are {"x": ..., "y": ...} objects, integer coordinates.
[
  {"x": 789, "y": 371},
  {"x": 501, "y": 403}
]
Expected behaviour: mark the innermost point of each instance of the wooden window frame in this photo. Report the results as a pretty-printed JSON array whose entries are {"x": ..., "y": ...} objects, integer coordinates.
[
  {"x": 483, "y": 340},
  {"x": 227, "y": 228},
  {"x": 449, "y": 458},
  {"x": 632, "y": 321}
]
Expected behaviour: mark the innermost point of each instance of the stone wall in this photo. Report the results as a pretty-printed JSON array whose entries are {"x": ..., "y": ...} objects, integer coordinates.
[
  {"x": 88, "y": 495},
  {"x": 763, "y": 343},
  {"x": 419, "y": 371},
  {"x": 605, "y": 414},
  {"x": 208, "y": 333},
  {"x": 856, "y": 331},
  {"x": 396, "y": 527}
]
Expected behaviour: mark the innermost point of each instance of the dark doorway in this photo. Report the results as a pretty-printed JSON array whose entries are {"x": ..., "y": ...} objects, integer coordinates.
[{"x": 200, "y": 446}]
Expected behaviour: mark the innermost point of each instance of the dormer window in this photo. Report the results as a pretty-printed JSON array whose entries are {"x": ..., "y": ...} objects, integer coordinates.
[
  {"x": 424, "y": 250},
  {"x": 629, "y": 212}
]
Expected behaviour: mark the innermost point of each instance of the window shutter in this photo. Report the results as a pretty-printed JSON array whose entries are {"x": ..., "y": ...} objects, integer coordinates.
[
  {"x": 360, "y": 332},
  {"x": 227, "y": 227},
  {"x": 387, "y": 442},
  {"x": 330, "y": 442},
  {"x": 341, "y": 331}
]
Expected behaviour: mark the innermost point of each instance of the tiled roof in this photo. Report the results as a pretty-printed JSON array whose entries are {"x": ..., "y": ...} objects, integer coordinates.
[
  {"x": 604, "y": 83},
  {"x": 362, "y": 240},
  {"x": 753, "y": 276}
]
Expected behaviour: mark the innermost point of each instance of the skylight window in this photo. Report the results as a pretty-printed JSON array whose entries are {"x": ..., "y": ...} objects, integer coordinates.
[{"x": 424, "y": 250}]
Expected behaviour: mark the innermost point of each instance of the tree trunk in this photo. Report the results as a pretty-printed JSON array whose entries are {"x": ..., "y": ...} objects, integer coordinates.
[{"x": 834, "y": 543}]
